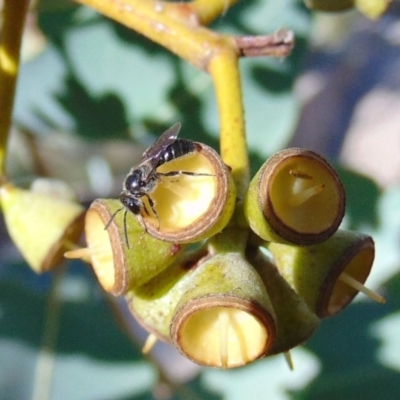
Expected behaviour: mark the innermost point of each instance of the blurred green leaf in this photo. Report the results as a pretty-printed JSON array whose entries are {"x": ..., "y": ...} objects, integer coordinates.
[
  {"x": 348, "y": 353},
  {"x": 269, "y": 378},
  {"x": 92, "y": 357},
  {"x": 362, "y": 196}
]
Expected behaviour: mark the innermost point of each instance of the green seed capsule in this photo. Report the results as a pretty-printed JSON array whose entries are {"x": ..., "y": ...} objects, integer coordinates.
[
  {"x": 118, "y": 267},
  {"x": 296, "y": 197},
  {"x": 225, "y": 318},
  {"x": 41, "y": 226},
  {"x": 295, "y": 322},
  {"x": 319, "y": 273}
]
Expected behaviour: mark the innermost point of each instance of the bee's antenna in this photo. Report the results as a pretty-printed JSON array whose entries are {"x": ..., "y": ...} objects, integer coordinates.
[
  {"x": 112, "y": 218},
  {"x": 125, "y": 230}
]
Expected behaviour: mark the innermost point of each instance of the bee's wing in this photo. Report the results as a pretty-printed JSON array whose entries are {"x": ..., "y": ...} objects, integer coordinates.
[{"x": 153, "y": 153}]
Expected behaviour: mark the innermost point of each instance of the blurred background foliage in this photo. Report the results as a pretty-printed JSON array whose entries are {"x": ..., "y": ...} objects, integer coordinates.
[{"x": 93, "y": 94}]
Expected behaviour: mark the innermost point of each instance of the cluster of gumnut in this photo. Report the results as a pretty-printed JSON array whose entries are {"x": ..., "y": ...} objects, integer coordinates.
[
  {"x": 230, "y": 280},
  {"x": 226, "y": 280}
]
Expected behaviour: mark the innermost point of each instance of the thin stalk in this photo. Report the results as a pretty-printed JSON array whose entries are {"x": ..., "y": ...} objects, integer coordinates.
[
  {"x": 225, "y": 73},
  {"x": 47, "y": 355},
  {"x": 13, "y": 18},
  {"x": 160, "y": 22}
]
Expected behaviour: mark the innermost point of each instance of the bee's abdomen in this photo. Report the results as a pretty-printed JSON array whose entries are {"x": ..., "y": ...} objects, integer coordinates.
[{"x": 179, "y": 148}]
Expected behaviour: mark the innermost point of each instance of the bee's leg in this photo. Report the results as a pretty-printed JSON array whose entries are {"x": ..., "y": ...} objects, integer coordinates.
[
  {"x": 153, "y": 210},
  {"x": 178, "y": 173},
  {"x": 143, "y": 222},
  {"x": 145, "y": 207}
]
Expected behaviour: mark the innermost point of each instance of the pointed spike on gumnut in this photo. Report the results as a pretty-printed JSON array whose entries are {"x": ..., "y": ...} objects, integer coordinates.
[
  {"x": 314, "y": 272},
  {"x": 361, "y": 288},
  {"x": 193, "y": 204},
  {"x": 120, "y": 268},
  {"x": 69, "y": 245},
  {"x": 40, "y": 224},
  {"x": 296, "y": 197},
  {"x": 300, "y": 197},
  {"x": 88, "y": 253},
  {"x": 149, "y": 344},
  {"x": 225, "y": 318},
  {"x": 289, "y": 360}
]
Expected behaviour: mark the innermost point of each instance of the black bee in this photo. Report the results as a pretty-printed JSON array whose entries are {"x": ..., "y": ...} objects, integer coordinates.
[{"x": 143, "y": 179}]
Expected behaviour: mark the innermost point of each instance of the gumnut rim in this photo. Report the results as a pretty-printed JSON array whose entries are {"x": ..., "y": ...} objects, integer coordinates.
[
  {"x": 284, "y": 162},
  {"x": 356, "y": 262},
  {"x": 197, "y": 209},
  {"x": 224, "y": 354},
  {"x": 118, "y": 267}
]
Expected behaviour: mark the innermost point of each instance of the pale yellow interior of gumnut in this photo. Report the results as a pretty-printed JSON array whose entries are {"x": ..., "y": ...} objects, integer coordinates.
[
  {"x": 181, "y": 200},
  {"x": 305, "y": 195},
  {"x": 222, "y": 337},
  {"x": 99, "y": 250},
  {"x": 358, "y": 269}
]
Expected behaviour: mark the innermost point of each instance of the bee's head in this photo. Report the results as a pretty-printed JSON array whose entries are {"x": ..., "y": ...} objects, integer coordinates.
[
  {"x": 131, "y": 203},
  {"x": 134, "y": 181}
]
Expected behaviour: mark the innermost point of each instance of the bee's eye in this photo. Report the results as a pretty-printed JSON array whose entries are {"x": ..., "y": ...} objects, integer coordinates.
[
  {"x": 134, "y": 181},
  {"x": 131, "y": 204}
]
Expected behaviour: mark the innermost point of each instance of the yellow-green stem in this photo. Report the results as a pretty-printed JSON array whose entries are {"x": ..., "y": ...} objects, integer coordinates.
[
  {"x": 13, "y": 18},
  {"x": 224, "y": 70},
  {"x": 230, "y": 240},
  {"x": 160, "y": 22}
]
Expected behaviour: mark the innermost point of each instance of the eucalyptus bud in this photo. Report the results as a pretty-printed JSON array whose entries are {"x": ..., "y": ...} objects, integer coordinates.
[
  {"x": 328, "y": 275},
  {"x": 296, "y": 197},
  {"x": 225, "y": 318},
  {"x": 123, "y": 256},
  {"x": 41, "y": 225}
]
